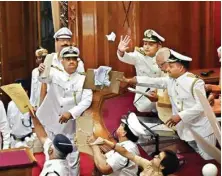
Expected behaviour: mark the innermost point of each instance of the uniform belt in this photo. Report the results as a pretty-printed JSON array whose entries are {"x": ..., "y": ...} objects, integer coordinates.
[{"x": 21, "y": 138}]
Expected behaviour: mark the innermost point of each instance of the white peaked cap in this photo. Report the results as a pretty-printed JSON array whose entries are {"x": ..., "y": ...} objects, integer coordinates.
[
  {"x": 175, "y": 56},
  {"x": 69, "y": 51},
  {"x": 134, "y": 125},
  {"x": 63, "y": 33},
  {"x": 152, "y": 36}
]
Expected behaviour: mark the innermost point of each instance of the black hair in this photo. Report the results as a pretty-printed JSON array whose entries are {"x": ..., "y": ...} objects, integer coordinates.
[
  {"x": 185, "y": 64},
  {"x": 129, "y": 134},
  {"x": 170, "y": 162}
]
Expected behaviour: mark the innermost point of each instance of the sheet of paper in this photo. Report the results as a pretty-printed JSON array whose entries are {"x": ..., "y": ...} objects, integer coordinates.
[
  {"x": 84, "y": 129},
  {"x": 47, "y": 63},
  {"x": 19, "y": 96},
  {"x": 111, "y": 37}
]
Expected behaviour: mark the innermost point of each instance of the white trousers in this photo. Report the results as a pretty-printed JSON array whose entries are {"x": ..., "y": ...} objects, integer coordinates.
[
  {"x": 72, "y": 158},
  {"x": 210, "y": 139}
]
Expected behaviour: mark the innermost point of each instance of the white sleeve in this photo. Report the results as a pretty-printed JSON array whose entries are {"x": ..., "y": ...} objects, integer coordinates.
[
  {"x": 32, "y": 91},
  {"x": 116, "y": 161},
  {"x": 80, "y": 69},
  {"x": 190, "y": 114},
  {"x": 159, "y": 83},
  {"x": 48, "y": 79},
  {"x": 46, "y": 146},
  {"x": 4, "y": 127},
  {"x": 129, "y": 58},
  {"x": 85, "y": 102}
]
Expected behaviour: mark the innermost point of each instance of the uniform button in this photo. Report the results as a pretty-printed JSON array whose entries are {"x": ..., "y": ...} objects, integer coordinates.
[
  {"x": 66, "y": 88},
  {"x": 178, "y": 103},
  {"x": 176, "y": 84},
  {"x": 154, "y": 72},
  {"x": 61, "y": 106}
]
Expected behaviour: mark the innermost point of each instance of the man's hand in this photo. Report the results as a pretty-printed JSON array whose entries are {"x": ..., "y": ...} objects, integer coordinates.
[
  {"x": 41, "y": 68},
  {"x": 65, "y": 117},
  {"x": 208, "y": 87},
  {"x": 152, "y": 96},
  {"x": 123, "y": 44},
  {"x": 211, "y": 99},
  {"x": 131, "y": 81},
  {"x": 175, "y": 119}
]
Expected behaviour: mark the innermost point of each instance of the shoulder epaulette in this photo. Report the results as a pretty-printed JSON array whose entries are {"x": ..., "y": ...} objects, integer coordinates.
[
  {"x": 140, "y": 51},
  {"x": 82, "y": 73},
  {"x": 57, "y": 68},
  {"x": 191, "y": 75}
]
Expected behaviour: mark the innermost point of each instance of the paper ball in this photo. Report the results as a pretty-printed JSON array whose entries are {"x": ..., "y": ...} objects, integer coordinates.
[{"x": 209, "y": 170}]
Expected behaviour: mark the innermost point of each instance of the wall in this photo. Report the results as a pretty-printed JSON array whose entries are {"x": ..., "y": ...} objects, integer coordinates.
[{"x": 188, "y": 27}]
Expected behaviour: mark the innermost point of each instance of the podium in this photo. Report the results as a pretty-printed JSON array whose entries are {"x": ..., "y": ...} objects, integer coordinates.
[{"x": 16, "y": 162}]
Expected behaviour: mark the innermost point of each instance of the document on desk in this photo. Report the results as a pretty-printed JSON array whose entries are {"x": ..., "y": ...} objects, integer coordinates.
[{"x": 160, "y": 129}]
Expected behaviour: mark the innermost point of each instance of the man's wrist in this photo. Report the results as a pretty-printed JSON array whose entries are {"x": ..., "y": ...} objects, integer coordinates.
[{"x": 120, "y": 52}]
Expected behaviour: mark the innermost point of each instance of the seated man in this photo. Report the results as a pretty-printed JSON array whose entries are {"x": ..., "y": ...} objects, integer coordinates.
[
  {"x": 163, "y": 164},
  {"x": 112, "y": 163},
  {"x": 55, "y": 151},
  {"x": 20, "y": 124}
]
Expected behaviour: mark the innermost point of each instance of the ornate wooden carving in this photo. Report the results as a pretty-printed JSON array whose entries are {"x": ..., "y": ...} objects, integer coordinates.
[
  {"x": 73, "y": 20},
  {"x": 63, "y": 6}
]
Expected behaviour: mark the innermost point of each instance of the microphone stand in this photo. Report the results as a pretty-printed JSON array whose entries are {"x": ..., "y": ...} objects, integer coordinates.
[{"x": 156, "y": 136}]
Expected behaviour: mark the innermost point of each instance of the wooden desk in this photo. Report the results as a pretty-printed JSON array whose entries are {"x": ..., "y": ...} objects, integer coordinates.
[
  {"x": 213, "y": 78},
  {"x": 16, "y": 162}
]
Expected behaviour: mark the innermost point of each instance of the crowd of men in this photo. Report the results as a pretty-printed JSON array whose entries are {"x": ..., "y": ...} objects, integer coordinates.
[{"x": 59, "y": 98}]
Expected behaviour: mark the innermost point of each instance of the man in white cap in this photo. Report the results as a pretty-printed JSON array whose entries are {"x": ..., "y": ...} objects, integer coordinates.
[
  {"x": 66, "y": 100},
  {"x": 35, "y": 84},
  {"x": 62, "y": 39},
  {"x": 187, "y": 110},
  {"x": 144, "y": 61},
  {"x": 112, "y": 163},
  {"x": 4, "y": 128}
]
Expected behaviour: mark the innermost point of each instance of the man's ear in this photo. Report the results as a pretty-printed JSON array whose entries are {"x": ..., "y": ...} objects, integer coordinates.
[
  {"x": 123, "y": 134},
  {"x": 50, "y": 151}
]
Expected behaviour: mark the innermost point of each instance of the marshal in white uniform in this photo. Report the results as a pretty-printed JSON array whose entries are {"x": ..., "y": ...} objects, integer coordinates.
[
  {"x": 65, "y": 94},
  {"x": 185, "y": 103},
  {"x": 54, "y": 167},
  {"x": 35, "y": 84},
  {"x": 145, "y": 66},
  {"x": 4, "y": 127},
  {"x": 20, "y": 124}
]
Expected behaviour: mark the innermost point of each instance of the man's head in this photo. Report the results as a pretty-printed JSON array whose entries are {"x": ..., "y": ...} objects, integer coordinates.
[
  {"x": 130, "y": 128},
  {"x": 178, "y": 64},
  {"x": 152, "y": 42},
  {"x": 60, "y": 148},
  {"x": 62, "y": 38},
  {"x": 161, "y": 58},
  {"x": 70, "y": 57},
  {"x": 23, "y": 83},
  {"x": 40, "y": 55},
  {"x": 166, "y": 161}
]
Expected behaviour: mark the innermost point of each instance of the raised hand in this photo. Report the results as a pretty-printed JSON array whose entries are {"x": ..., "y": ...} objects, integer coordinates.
[
  {"x": 41, "y": 67},
  {"x": 123, "y": 44}
]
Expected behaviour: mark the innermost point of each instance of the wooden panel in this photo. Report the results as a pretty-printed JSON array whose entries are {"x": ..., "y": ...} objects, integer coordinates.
[
  {"x": 187, "y": 27},
  {"x": 18, "y": 40}
]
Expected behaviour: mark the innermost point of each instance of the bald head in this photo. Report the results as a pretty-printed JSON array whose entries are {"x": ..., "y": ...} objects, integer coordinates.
[{"x": 162, "y": 55}]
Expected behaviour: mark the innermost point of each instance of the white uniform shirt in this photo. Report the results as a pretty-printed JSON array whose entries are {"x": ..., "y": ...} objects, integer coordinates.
[
  {"x": 4, "y": 127},
  {"x": 184, "y": 102},
  {"x": 51, "y": 167},
  {"x": 145, "y": 66},
  {"x": 118, "y": 163},
  {"x": 66, "y": 94},
  {"x": 35, "y": 88},
  {"x": 20, "y": 124}
]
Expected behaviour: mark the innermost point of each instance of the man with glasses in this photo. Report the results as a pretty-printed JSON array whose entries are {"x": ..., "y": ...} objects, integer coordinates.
[
  {"x": 144, "y": 60},
  {"x": 187, "y": 111}
]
